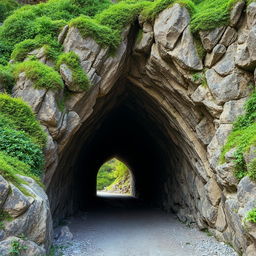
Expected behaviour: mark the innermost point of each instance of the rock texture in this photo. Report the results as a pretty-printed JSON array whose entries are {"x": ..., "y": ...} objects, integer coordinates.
[
  {"x": 26, "y": 216},
  {"x": 194, "y": 115}
]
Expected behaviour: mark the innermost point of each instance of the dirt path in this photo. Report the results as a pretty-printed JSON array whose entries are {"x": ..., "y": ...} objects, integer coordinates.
[{"x": 112, "y": 230}]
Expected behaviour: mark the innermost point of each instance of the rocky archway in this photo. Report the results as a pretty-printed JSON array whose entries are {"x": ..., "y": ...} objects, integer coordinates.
[{"x": 154, "y": 96}]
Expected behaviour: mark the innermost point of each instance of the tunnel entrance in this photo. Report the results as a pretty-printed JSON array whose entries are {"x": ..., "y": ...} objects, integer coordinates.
[
  {"x": 114, "y": 177},
  {"x": 127, "y": 124}
]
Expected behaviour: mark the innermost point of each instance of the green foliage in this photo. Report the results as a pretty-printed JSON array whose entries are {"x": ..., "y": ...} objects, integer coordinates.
[
  {"x": 6, "y": 8},
  {"x": 6, "y": 78},
  {"x": 242, "y": 138},
  {"x": 252, "y": 169},
  {"x": 18, "y": 115},
  {"x": 43, "y": 19},
  {"x": 111, "y": 173},
  {"x": 103, "y": 35},
  {"x": 211, "y": 14},
  {"x": 72, "y": 61},
  {"x": 200, "y": 77},
  {"x": 251, "y": 216},
  {"x": 42, "y": 75},
  {"x": 5, "y": 216},
  {"x": 18, "y": 144},
  {"x": 51, "y": 47},
  {"x": 16, "y": 248}
]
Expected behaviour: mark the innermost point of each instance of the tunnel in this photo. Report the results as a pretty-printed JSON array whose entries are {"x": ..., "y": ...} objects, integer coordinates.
[{"x": 127, "y": 124}]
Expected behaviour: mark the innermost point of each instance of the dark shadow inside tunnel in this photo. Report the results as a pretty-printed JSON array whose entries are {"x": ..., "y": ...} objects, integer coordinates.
[{"x": 126, "y": 124}]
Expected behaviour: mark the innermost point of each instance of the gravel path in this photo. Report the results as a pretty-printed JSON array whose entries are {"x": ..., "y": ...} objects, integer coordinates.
[{"x": 112, "y": 230}]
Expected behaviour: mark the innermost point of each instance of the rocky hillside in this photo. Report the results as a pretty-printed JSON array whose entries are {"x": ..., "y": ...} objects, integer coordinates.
[{"x": 189, "y": 65}]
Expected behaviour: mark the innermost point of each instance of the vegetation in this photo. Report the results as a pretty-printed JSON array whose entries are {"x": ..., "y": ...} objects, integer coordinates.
[
  {"x": 42, "y": 75},
  {"x": 16, "y": 248},
  {"x": 7, "y": 7},
  {"x": 111, "y": 174},
  {"x": 6, "y": 78},
  {"x": 242, "y": 138},
  {"x": 21, "y": 142},
  {"x": 251, "y": 216},
  {"x": 78, "y": 75}
]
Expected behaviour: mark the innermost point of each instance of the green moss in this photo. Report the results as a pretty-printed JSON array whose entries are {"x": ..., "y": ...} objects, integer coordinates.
[
  {"x": 7, "y": 7},
  {"x": 242, "y": 138},
  {"x": 42, "y": 75},
  {"x": 18, "y": 115},
  {"x": 6, "y": 78},
  {"x": 79, "y": 76},
  {"x": 251, "y": 216},
  {"x": 103, "y": 35},
  {"x": 211, "y": 14},
  {"x": 51, "y": 47},
  {"x": 5, "y": 216}
]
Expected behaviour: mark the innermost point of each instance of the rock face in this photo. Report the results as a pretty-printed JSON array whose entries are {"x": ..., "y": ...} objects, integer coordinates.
[
  {"x": 193, "y": 108},
  {"x": 27, "y": 216}
]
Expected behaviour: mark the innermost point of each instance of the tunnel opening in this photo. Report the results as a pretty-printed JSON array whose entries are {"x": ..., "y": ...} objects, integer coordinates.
[
  {"x": 128, "y": 124},
  {"x": 114, "y": 177}
]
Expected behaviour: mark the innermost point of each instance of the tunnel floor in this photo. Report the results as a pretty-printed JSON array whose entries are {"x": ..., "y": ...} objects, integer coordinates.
[{"x": 120, "y": 225}]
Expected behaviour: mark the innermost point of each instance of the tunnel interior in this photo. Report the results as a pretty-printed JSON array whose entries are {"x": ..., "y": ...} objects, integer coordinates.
[{"x": 129, "y": 125}]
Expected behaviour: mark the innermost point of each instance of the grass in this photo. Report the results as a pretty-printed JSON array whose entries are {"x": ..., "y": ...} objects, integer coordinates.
[
  {"x": 40, "y": 74},
  {"x": 6, "y": 78},
  {"x": 79, "y": 77}
]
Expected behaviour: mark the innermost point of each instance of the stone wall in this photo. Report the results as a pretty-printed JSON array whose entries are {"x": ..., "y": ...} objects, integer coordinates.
[{"x": 197, "y": 100}]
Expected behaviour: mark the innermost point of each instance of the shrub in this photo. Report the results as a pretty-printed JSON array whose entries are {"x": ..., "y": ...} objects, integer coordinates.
[
  {"x": 18, "y": 144},
  {"x": 6, "y": 78},
  {"x": 72, "y": 61},
  {"x": 18, "y": 115},
  {"x": 42, "y": 75},
  {"x": 7, "y": 7}
]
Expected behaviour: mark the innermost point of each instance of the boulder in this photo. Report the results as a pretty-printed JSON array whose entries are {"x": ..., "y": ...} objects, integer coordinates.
[
  {"x": 216, "y": 54},
  {"x": 211, "y": 38},
  {"x": 4, "y": 190},
  {"x": 169, "y": 25}
]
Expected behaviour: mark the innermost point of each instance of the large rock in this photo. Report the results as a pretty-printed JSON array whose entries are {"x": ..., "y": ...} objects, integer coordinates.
[
  {"x": 169, "y": 25},
  {"x": 216, "y": 54},
  {"x": 211, "y": 38},
  {"x": 17, "y": 203},
  {"x": 26, "y": 248},
  {"x": 4, "y": 190},
  {"x": 185, "y": 53}
]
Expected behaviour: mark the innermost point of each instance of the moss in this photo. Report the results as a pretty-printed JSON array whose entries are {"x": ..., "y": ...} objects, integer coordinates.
[
  {"x": 5, "y": 216},
  {"x": 199, "y": 48},
  {"x": 103, "y": 35},
  {"x": 210, "y": 14},
  {"x": 19, "y": 116},
  {"x": 42, "y": 75},
  {"x": 51, "y": 47},
  {"x": 242, "y": 138},
  {"x": 79, "y": 76}
]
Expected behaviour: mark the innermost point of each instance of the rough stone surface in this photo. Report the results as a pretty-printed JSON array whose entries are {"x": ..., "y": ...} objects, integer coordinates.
[
  {"x": 170, "y": 24},
  {"x": 211, "y": 38},
  {"x": 216, "y": 54}
]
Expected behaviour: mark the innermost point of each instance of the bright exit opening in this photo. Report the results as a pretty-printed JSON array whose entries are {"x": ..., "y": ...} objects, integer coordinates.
[{"x": 114, "y": 177}]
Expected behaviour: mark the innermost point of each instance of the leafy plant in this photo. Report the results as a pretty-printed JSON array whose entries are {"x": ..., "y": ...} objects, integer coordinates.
[
  {"x": 7, "y": 7},
  {"x": 16, "y": 114},
  {"x": 6, "y": 78},
  {"x": 16, "y": 248}
]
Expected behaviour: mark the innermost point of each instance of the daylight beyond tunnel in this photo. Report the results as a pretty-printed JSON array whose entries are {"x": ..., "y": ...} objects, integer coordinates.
[{"x": 126, "y": 124}]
